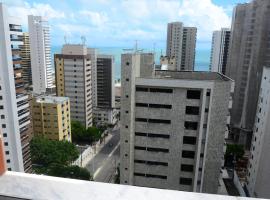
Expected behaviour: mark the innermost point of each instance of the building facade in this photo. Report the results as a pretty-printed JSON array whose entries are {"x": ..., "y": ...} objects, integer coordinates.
[
  {"x": 41, "y": 64},
  {"x": 172, "y": 127},
  {"x": 26, "y": 60},
  {"x": 181, "y": 45},
  {"x": 14, "y": 102},
  {"x": 51, "y": 117},
  {"x": 248, "y": 53},
  {"x": 220, "y": 50},
  {"x": 259, "y": 164},
  {"x": 104, "y": 112},
  {"x": 73, "y": 80}
]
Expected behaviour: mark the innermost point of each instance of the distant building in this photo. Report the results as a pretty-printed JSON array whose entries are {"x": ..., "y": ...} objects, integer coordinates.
[
  {"x": 259, "y": 164},
  {"x": 41, "y": 63},
  {"x": 51, "y": 117},
  {"x": 220, "y": 50},
  {"x": 181, "y": 45},
  {"x": 167, "y": 63},
  {"x": 26, "y": 60},
  {"x": 104, "y": 112},
  {"x": 173, "y": 126},
  {"x": 15, "y": 118},
  {"x": 117, "y": 89},
  {"x": 248, "y": 52},
  {"x": 73, "y": 79}
]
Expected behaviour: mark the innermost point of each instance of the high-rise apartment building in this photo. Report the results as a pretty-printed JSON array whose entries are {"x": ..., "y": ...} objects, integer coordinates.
[
  {"x": 220, "y": 50},
  {"x": 51, "y": 117},
  {"x": 26, "y": 60},
  {"x": 249, "y": 52},
  {"x": 105, "y": 98},
  {"x": 259, "y": 163},
  {"x": 173, "y": 126},
  {"x": 41, "y": 64},
  {"x": 181, "y": 44},
  {"x": 73, "y": 80},
  {"x": 188, "y": 48},
  {"x": 15, "y": 117}
]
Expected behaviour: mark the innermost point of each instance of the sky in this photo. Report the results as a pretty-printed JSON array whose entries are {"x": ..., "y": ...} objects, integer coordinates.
[{"x": 118, "y": 23}]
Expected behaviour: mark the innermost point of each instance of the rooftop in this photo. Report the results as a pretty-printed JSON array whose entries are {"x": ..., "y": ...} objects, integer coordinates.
[
  {"x": 51, "y": 99},
  {"x": 191, "y": 75}
]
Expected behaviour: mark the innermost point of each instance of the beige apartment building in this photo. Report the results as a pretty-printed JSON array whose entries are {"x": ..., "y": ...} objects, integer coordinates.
[{"x": 51, "y": 117}]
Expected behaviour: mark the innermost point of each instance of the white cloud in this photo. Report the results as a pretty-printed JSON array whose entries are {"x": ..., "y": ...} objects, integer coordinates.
[
  {"x": 135, "y": 8},
  {"x": 205, "y": 15},
  {"x": 40, "y": 9},
  {"x": 96, "y": 18}
]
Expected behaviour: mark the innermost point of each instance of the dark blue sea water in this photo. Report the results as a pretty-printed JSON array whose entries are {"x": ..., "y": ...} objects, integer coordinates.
[{"x": 201, "y": 62}]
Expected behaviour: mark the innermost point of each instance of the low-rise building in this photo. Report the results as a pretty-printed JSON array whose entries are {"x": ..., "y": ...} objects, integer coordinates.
[{"x": 51, "y": 117}]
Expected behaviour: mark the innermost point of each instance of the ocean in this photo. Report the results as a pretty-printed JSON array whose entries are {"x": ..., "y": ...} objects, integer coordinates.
[{"x": 202, "y": 58}]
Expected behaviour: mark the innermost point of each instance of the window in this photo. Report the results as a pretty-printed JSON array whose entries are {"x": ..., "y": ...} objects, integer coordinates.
[
  {"x": 126, "y": 126},
  {"x": 141, "y": 120},
  {"x": 1, "y": 107},
  {"x": 185, "y": 181},
  {"x": 127, "y": 79},
  {"x": 8, "y": 161},
  {"x": 192, "y": 110},
  {"x": 188, "y": 154},
  {"x": 2, "y": 116},
  {"x": 151, "y": 162},
  {"x": 126, "y": 111},
  {"x": 189, "y": 140},
  {"x": 126, "y": 96},
  {"x": 140, "y": 148},
  {"x": 150, "y": 175},
  {"x": 191, "y": 125},
  {"x": 158, "y": 135},
  {"x": 141, "y": 105},
  {"x": 159, "y": 121},
  {"x": 160, "y": 106},
  {"x": 4, "y": 126},
  {"x": 161, "y": 90},
  {"x": 1, "y": 97},
  {"x": 6, "y": 143},
  {"x": 4, "y": 135},
  {"x": 193, "y": 94},
  {"x": 140, "y": 134},
  {"x": 187, "y": 168},
  {"x": 158, "y": 150},
  {"x": 127, "y": 63},
  {"x": 206, "y": 110},
  {"x": 208, "y": 93},
  {"x": 141, "y": 89}
]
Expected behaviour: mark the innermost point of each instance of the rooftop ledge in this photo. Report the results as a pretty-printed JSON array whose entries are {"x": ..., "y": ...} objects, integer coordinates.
[{"x": 30, "y": 186}]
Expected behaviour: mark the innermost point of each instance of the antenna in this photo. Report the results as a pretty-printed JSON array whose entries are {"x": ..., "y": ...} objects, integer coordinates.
[
  {"x": 65, "y": 39},
  {"x": 83, "y": 40}
]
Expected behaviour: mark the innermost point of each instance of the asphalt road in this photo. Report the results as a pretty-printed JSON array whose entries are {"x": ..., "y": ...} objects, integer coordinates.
[{"x": 103, "y": 166}]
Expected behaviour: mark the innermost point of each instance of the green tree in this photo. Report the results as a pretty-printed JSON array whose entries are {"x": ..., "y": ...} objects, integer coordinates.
[
  {"x": 236, "y": 150},
  {"x": 54, "y": 158},
  {"x": 45, "y": 152},
  {"x": 74, "y": 172}
]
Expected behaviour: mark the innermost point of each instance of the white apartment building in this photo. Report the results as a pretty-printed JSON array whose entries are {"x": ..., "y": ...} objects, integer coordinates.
[
  {"x": 14, "y": 106},
  {"x": 220, "y": 50},
  {"x": 41, "y": 64},
  {"x": 259, "y": 164},
  {"x": 181, "y": 45},
  {"x": 73, "y": 79},
  {"x": 173, "y": 126}
]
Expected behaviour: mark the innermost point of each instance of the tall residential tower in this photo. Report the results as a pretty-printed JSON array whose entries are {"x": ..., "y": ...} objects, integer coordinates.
[
  {"x": 181, "y": 44},
  {"x": 42, "y": 72},
  {"x": 15, "y": 119},
  {"x": 220, "y": 50},
  {"x": 249, "y": 52},
  {"x": 74, "y": 79}
]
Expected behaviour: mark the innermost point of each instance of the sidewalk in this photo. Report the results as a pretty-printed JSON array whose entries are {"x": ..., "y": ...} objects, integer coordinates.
[{"x": 89, "y": 153}]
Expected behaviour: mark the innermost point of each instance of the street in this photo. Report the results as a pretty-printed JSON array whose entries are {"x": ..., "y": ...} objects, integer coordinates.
[{"x": 103, "y": 166}]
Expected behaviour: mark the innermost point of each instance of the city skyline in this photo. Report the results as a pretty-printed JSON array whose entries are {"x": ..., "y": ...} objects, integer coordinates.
[{"x": 107, "y": 23}]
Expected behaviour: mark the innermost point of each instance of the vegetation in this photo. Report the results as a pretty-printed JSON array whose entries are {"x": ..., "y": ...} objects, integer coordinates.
[
  {"x": 81, "y": 135},
  {"x": 236, "y": 150},
  {"x": 54, "y": 157}
]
